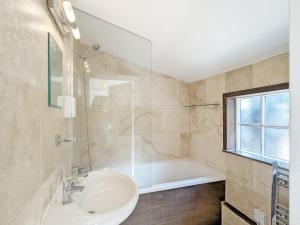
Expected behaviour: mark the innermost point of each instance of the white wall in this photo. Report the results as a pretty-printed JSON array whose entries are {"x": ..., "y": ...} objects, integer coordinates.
[{"x": 295, "y": 112}]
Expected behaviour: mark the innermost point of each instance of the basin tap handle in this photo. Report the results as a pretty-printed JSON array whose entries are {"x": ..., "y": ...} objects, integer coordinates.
[{"x": 68, "y": 184}]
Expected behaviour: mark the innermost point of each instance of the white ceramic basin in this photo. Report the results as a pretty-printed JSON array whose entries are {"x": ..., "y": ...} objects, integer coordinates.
[{"x": 108, "y": 199}]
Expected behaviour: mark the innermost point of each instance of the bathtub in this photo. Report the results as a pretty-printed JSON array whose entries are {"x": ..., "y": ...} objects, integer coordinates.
[
  {"x": 171, "y": 174},
  {"x": 164, "y": 185}
]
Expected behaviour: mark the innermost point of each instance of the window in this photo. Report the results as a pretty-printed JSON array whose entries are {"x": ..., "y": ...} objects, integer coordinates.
[{"x": 256, "y": 123}]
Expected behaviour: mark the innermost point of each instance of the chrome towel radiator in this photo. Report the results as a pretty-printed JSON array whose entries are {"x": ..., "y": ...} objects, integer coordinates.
[{"x": 280, "y": 188}]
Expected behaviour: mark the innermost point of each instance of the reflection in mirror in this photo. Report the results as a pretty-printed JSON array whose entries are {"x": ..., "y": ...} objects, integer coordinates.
[{"x": 55, "y": 74}]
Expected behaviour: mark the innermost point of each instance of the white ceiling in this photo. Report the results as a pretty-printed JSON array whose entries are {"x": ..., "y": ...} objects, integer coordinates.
[{"x": 195, "y": 39}]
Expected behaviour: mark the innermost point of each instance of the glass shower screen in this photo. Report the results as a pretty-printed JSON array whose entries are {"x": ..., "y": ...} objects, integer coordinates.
[{"x": 113, "y": 75}]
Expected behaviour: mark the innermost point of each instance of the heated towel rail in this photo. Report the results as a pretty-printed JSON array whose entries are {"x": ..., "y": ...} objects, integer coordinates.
[{"x": 280, "y": 186}]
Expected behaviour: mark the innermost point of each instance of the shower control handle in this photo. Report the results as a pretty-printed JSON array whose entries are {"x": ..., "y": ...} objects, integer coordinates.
[{"x": 59, "y": 140}]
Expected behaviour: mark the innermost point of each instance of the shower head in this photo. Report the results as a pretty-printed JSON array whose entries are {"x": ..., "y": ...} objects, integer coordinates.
[{"x": 95, "y": 47}]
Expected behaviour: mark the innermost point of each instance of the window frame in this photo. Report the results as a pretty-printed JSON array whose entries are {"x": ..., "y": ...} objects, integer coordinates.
[{"x": 247, "y": 93}]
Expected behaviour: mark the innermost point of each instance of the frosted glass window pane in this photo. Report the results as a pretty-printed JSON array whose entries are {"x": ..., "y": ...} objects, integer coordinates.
[
  {"x": 250, "y": 110},
  {"x": 277, "y": 143},
  {"x": 250, "y": 139},
  {"x": 277, "y": 109}
]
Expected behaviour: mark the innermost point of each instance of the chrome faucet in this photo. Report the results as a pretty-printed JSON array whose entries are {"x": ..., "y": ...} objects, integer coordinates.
[{"x": 69, "y": 188}]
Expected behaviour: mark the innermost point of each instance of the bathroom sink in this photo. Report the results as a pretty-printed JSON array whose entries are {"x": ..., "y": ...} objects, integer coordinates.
[
  {"x": 107, "y": 192},
  {"x": 107, "y": 199}
]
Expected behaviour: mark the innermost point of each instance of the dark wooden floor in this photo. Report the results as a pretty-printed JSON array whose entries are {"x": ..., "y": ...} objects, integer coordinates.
[{"x": 194, "y": 205}]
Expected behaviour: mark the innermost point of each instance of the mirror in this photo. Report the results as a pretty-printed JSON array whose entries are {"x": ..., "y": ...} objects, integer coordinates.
[{"x": 55, "y": 74}]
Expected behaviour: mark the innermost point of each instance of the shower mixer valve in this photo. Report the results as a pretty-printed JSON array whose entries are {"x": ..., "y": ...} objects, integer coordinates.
[{"x": 59, "y": 140}]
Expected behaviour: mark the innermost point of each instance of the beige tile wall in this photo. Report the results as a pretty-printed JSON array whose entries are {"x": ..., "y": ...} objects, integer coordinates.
[
  {"x": 248, "y": 183},
  {"x": 161, "y": 123},
  {"x": 170, "y": 120},
  {"x": 30, "y": 165}
]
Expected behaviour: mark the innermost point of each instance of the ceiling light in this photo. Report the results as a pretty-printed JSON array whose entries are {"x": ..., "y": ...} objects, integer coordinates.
[
  {"x": 76, "y": 32},
  {"x": 69, "y": 11}
]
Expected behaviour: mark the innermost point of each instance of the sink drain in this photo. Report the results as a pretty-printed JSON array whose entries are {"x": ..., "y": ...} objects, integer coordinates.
[{"x": 92, "y": 212}]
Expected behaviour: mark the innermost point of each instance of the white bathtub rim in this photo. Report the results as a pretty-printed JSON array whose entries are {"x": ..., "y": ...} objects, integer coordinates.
[{"x": 180, "y": 184}]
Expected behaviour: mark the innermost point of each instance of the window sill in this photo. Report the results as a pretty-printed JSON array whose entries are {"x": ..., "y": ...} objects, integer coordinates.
[{"x": 257, "y": 158}]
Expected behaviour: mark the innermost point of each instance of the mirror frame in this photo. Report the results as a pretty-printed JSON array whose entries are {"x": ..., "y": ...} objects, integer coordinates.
[{"x": 51, "y": 40}]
